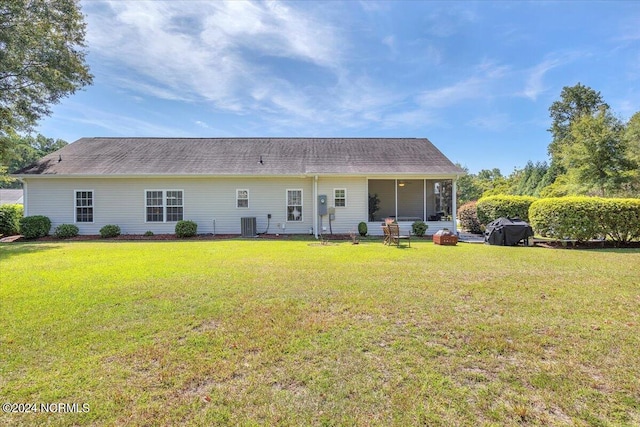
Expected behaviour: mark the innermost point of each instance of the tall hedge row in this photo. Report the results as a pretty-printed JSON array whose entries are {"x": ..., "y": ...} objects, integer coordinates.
[
  {"x": 468, "y": 218},
  {"x": 494, "y": 207},
  {"x": 584, "y": 218},
  {"x": 10, "y": 216}
]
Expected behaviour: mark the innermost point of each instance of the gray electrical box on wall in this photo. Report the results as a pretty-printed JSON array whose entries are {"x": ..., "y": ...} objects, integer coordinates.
[{"x": 322, "y": 205}]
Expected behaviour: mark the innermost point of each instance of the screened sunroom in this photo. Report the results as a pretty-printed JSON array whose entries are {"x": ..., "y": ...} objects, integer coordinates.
[{"x": 409, "y": 200}]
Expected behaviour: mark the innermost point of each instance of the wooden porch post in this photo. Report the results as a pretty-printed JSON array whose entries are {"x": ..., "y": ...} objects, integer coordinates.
[{"x": 454, "y": 207}]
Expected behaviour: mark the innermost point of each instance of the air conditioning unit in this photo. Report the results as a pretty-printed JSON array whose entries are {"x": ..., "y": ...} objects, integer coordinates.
[{"x": 248, "y": 226}]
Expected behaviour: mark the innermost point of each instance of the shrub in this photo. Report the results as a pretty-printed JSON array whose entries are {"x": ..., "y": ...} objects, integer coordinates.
[
  {"x": 10, "y": 219},
  {"x": 65, "y": 231},
  {"x": 32, "y": 227},
  {"x": 621, "y": 219},
  {"x": 362, "y": 229},
  {"x": 109, "y": 230},
  {"x": 419, "y": 228},
  {"x": 584, "y": 218},
  {"x": 186, "y": 228},
  {"x": 148, "y": 233},
  {"x": 468, "y": 217},
  {"x": 494, "y": 207}
]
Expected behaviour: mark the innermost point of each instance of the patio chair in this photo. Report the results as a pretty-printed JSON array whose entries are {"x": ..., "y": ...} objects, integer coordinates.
[
  {"x": 387, "y": 239},
  {"x": 395, "y": 236}
]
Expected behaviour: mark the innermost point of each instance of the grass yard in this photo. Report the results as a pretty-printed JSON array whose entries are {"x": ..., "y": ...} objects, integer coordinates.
[{"x": 294, "y": 333}]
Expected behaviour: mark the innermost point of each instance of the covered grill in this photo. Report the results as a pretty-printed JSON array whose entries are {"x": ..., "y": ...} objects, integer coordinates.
[{"x": 507, "y": 232}]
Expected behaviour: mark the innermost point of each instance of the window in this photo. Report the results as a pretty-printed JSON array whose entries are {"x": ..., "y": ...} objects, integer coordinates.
[
  {"x": 164, "y": 206},
  {"x": 340, "y": 197},
  {"x": 84, "y": 205},
  {"x": 294, "y": 205},
  {"x": 174, "y": 206},
  {"x": 242, "y": 198}
]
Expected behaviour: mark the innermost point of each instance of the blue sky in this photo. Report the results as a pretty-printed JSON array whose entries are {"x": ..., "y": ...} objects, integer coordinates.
[{"x": 477, "y": 79}]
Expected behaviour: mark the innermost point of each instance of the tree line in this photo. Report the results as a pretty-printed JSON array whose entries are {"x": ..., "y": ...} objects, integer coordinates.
[{"x": 592, "y": 153}]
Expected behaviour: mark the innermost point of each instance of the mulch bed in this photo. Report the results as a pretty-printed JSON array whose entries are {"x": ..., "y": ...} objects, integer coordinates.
[{"x": 592, "y": 244}]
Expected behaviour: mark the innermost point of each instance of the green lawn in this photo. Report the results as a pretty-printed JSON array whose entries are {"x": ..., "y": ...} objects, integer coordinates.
[{"x": 295, "y": 333}]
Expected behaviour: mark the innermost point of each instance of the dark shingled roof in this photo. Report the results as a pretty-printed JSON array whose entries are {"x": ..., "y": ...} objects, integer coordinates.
[{"x": 241, "y": 156}]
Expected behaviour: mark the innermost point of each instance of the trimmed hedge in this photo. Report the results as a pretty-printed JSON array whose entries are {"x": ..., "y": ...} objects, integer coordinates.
[
  {"x": 186, "y": 228},
  {"x": 32, "y": 227},
  {"x": 109, "y": 230},
  {"x": 494, "y": 207},
  {"x": 419, "y": 228},
  {"x": 585, "y": 218},
  {"x": 10, "y": 216},
  {"x": 65, "y": 231},
  {"x": 468, "y": 218}
]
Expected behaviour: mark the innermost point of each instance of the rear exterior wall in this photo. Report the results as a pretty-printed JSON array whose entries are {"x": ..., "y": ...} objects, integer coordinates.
[{"x": 121, "y": 201}]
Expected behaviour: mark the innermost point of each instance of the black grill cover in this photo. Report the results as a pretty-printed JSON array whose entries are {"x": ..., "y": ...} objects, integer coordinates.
[{"x": 507, "y": 231}]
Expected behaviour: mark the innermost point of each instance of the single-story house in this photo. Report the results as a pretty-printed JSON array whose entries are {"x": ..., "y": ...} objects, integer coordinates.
[
  {"x": 289, "y": 185},
  {"x": 11, "y": 196}
]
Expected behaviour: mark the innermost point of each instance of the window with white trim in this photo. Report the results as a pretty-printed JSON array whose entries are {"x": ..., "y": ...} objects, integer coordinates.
[
  {"x": 294, "y": 205},
  {"x": 242, "y": 198},
  {"x": 84, "y": 205},
  {"x": 339, "y": 197},
  {"x": 174, "y": 206},
  {"x": 164, "y": 205}
]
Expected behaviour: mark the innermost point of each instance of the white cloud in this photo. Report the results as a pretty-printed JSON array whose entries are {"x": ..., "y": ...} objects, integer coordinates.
[
  {"x": 202, "y": 124},
  {"x": 494, "y": 122},
  {"x": 535, "y": 85},
  {"x": 478, "y": 85},
  {"x": 470, "y": 88},
  {"x": 209, "y": 51},
  {"x": 113, "y": 123}
]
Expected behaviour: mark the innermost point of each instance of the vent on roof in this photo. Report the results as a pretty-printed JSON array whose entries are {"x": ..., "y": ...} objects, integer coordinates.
[{"x": 248, "y": 226}]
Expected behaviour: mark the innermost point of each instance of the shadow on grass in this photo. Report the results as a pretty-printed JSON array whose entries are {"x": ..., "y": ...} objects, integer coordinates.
[
  {"x": 8, "y": 250},
  {"x": 620, "y": 250}
]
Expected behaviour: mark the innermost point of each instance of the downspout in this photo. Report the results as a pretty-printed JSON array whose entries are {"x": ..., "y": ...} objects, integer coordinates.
[
  {"x": 315, "y": 206},
  {"x": 24, "y": 198}
]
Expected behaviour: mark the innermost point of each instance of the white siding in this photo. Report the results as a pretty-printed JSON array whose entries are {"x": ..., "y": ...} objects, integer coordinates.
[
  {"x": 357, "y": 203},
  {"x": 121, "y": 201}
]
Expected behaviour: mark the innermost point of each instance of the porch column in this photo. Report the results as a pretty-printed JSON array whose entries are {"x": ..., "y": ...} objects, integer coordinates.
[
  {"x": 315, "y": 206},
  {"x": 454, "y": 190},
  {"x": 395, "y": 192}
]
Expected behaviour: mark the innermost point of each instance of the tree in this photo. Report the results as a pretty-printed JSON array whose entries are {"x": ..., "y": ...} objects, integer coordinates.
[
  {"x": 26, "y": 150},
  {"x": 632, "y": 140},
  {"x": 575, "y": 102},
  {"x": 596, "y": 159},
  {"x": 467, "y": 188},
  {"x": 531, "y": 179},
  {"x": 41, "y": 61}
]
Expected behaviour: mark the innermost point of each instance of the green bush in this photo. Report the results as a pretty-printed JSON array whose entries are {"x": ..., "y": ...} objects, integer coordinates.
[
  {"x": 186, "y": 229},
  {"x": 621, "y": 219},
  {"x": 494, "y": 207},
  {"x": 584, "y": 218},
  {"x": 32, "y": 227},
  {"x": 148, "y": 233},
  {"x": 574, "y": 218},
  {"x": 468, "y": 217},
  {"x": 109, "y": 230},
  {"x": 362, "y": 229},
  {"x": 419, "y": 228},
  {"x": 65, "y": 231},
  {"x": 10, "y": 219}
]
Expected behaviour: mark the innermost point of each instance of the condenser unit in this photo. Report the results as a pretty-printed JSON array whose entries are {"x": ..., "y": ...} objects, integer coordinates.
[{"x": 248, "y": 226}]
